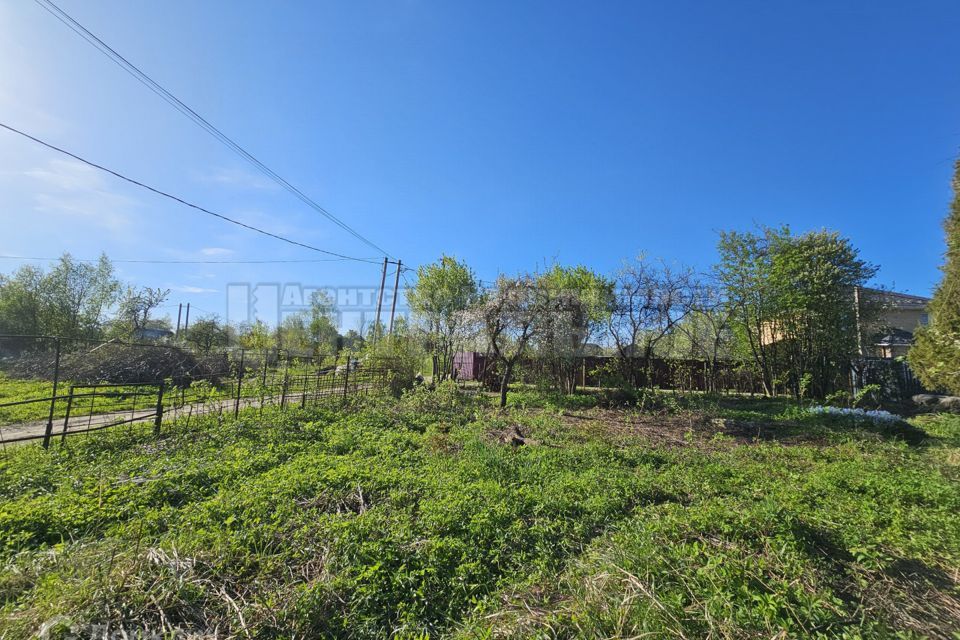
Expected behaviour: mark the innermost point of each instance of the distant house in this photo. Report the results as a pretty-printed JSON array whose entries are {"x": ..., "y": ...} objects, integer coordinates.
[
  {"x": 152, "y": 334},
  {"x": 886, "y": 321},
  {"x": 897, "y": 316},
  {"x": 591, "y": 349}
]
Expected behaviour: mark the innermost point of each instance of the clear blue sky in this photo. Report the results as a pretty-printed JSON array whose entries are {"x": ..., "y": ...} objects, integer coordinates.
[{"x": 508, "y": 134}]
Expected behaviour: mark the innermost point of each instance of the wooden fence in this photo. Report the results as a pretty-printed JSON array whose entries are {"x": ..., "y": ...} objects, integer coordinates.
[
  {"x": 603, "y": 371},
  {"x": 896, "y": 380}
]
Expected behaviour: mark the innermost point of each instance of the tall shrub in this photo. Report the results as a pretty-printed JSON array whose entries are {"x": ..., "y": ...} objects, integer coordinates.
[
  {"x": 793, "y": 304},
  {"x": 935, "y": 356},
  {"x": 443, "y": 292}
]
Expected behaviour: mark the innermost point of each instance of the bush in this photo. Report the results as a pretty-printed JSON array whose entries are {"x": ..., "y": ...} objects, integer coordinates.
[{"x": 125, "y": 364}]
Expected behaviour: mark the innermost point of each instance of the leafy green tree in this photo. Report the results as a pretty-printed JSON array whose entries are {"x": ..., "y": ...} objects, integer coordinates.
[
  {"x": 935, "y": 355},
  {"x": 22, "y": 302},
  {"x": 444, "y": 290},
  {"x": 313, "y": 330},
  {"x": 401, "y": 351},
  {"x": 793, "y": 305},
  {"x": 323, "y": 325},
  {"x": 352, "y": 341},
  {"x": 78, "y": 296},
  {"x": 293, "y": 333},
  {"x": 578, "y": 303},
  {"x": 256, "y": 335},
  {"x": 744, "y": 275},
  {"x": 72, "y": 299},
  {"x": 207, "y": 333}
]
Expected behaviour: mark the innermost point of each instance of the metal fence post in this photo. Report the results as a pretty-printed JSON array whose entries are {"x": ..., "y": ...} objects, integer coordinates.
[
  {"x": 346, "y": 378},
  {"x": 236, "y": 406},
  {"x": 53, "y": 398},
  {"x": 159, "y": 417},
  {"x": 303, "y": 396},
  {"x": 66, "y": 418},
  {"x": 265, "y": 357},
  {"x": 286, "y": 380}
]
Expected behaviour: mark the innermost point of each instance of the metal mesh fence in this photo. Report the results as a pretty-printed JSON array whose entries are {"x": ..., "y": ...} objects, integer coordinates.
[{"x": 55, "y": 387}]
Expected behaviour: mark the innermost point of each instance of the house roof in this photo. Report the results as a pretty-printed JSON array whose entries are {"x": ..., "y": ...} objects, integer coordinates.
[
  {"x": 896, "y": 299},
  {"x": 894, "y": 338}
]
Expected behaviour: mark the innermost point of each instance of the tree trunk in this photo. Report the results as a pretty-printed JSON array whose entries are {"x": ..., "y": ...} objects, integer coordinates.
[{"x": 505, "y": 384}]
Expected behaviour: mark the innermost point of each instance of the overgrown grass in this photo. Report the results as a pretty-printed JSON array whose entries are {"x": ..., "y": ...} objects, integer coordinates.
[
  {"x": 118, "y": 398},
  {"x": 410, "y": 518},
  {"x": 127, "y": 397}
]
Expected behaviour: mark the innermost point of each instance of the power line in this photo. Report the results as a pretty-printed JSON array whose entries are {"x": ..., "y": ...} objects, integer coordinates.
[
  {"x": 403, "y": 274},
  {"x": 199, "y": 120},
  {"x": 317, "y": 260},
  {"x": 181, "y": 200}
]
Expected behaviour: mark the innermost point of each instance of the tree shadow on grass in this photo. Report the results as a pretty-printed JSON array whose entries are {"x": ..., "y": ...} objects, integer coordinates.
[
  {"x": 906, "y": 592},
  {"x": 821, "y": 429}
]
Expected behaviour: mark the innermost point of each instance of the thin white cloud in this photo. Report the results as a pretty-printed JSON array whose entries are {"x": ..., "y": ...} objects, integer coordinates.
[
  {"x": 239, "y": 178},
  {"x": 67, "y": 175},
  {"x": 186, "y": 288},
  {"x": 71, "y": 188},
  {"x": 216, "y": 251}
]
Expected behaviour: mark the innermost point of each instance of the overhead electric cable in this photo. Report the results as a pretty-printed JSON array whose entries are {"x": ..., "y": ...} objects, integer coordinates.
[
  {"x": 181, "y": 200},
  {"x": 122, "y": 261},
  {"x": 199, "y": 120}
]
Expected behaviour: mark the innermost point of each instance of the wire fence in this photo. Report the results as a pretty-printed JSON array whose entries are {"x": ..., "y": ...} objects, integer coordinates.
[{"x": 52, "y": 388}]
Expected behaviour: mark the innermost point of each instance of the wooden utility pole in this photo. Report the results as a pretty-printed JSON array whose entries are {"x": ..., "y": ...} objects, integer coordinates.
[
  {"x": 383, "y": 282},
  {"x": 396, "y": 290},
  {"x": 186, "y": 323},
  {"x": 179, "y": 313},
  {"x": 856, "y": 311}
]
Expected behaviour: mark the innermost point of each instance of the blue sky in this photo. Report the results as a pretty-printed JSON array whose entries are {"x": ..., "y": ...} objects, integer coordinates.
[{"x": 508, "y": 134}]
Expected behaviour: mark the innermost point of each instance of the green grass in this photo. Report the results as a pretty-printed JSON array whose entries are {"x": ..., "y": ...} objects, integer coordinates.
[
  {"x": 112, "y": 399},
  {"x": 411, "y": 519},
  {"x": 123, "y": 398}
]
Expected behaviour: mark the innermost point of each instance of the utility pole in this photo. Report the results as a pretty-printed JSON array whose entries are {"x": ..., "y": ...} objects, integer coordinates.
[
  {"x": 186, "y": 323},
  {"x": 383, "y": 281},
  {"x": 396, "y": 290},
  {"x": 856, "y": 311},
  {"x": 179, "y": 312}
]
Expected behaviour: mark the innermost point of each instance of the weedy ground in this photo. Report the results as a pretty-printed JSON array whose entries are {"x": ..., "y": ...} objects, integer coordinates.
[
  {"x": 88, "y": 400},
  {"x": 119, "y": 398},
  {"x": 416, "y": 518},
  {"x": 15, "y": 390}
]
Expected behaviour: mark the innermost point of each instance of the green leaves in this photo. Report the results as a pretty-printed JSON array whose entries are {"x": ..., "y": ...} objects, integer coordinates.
[
  {"x": 793, "y": 304},
  {"x": 935, "y": 355},
  {"x": 443, "y": 293}
]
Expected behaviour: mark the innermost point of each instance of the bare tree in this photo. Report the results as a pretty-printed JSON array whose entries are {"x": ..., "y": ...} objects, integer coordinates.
[
  {"x": 136, "y": 306},
  {"x": 508, "y": 317},
  {"x": 708, "y": 330},
  {"x": 651, "y": 297}
]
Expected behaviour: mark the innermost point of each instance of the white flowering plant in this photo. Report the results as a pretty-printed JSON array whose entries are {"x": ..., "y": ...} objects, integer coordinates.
[{"x": 871, "y": 415}]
